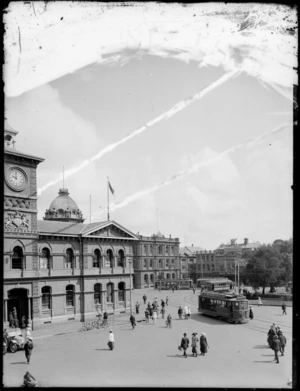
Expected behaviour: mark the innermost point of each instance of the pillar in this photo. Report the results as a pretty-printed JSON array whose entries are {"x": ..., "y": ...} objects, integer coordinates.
[
  {"x": 103, "y": 300},
  {"x": 116, "y": 300},
  {"x": 5, "y": 311}
]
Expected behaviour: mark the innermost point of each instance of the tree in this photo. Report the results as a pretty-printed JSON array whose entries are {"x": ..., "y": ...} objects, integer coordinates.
[{"x": 270, "y": 265}]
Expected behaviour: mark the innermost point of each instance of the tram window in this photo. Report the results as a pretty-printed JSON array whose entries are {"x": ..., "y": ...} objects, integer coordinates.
[{"x": 236, "y": 304}]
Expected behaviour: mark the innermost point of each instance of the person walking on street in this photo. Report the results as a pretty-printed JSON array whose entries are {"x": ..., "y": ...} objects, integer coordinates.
[
  {"x": 169, "y": 321},
  {"x": 105, "y": 319},
  {"x": 145, "y": 298},
  {"x": 180, "y": 312},
  {"x": 251, "y": 316},
  {"x": 28, "y": 347},
  {"x": 259, "y": 302},
  {"x": 132, "y": 321},
  {"x": 111, "y": 340},
  {"x": 194, "y": 344},
  {"x": 137, "y": 308},
  {"x": 28, "y": 333},
  {"x": 282, "y": 340},
  {"x": 162, "y": 303},
  {"x": 203, "y": 344},
  {"x": 167, "y": 300},
  {"x": 194, "y": 289},
  {"x": 154, "y": 317},
  {"x": 276, "y": 348},
  {"x": 163, "y": 312},
  {"x": 184, "y": 344},
  {"x": 147, "y": 315},
  {"x": 283, "y": 308},
  {"x": 271, "y": 334}
]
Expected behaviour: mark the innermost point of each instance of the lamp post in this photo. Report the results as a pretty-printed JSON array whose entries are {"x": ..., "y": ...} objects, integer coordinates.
[{"x": 130, "y": 262}]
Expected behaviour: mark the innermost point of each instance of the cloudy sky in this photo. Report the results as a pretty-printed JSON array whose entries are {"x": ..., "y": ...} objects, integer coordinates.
[{"x": 80, "y": 81}]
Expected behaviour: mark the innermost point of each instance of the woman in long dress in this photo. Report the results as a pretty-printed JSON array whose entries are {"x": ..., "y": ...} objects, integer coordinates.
[{"x": 203, "y": 344}]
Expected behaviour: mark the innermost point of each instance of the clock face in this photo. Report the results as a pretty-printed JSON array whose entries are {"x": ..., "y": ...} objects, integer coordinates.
[{"x": 16, "y": 178}]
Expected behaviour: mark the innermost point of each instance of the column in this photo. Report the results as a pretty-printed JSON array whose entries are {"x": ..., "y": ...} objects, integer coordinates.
[
  {"x": 5, "y": 311},
  {"x": 103, "y": 300},
  {"x": 116, "y": 299}
]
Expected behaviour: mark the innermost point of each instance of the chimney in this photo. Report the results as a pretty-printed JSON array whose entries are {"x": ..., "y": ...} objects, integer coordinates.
[{"x": 246, "y": 241}]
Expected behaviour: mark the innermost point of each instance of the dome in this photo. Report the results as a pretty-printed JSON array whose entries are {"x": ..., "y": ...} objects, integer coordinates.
[{"x": 64, "y": 208}]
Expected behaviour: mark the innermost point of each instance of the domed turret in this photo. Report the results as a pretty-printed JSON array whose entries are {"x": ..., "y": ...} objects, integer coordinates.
[{"x": 64, "y": 208}]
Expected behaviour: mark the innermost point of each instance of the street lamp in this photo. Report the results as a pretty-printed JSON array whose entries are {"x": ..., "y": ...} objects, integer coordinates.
[{"x": 130, "y": 262}]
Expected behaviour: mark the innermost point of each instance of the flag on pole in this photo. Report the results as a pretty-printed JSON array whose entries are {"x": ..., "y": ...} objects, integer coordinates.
[{"x": 110, "y": 188}]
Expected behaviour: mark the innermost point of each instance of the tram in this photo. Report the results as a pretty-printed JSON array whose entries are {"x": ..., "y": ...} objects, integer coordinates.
[
  {"x": 177, "y": 284},
  {"x": 227, "y": 306},
  {"x": 214, "y": 284}
]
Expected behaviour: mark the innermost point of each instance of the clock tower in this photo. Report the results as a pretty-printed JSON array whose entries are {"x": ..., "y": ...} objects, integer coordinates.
[{"x": 20, "y": 228}]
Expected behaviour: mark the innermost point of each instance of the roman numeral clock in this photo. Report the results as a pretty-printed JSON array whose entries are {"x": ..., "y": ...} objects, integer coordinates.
[{"x": 16, "y": 178}]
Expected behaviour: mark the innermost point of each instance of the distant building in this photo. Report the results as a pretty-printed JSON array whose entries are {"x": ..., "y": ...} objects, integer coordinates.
[
  {"x": 227, "y": 255},
  {"x": 188, "y": 260},
  {"x": 155, "y": 257}
]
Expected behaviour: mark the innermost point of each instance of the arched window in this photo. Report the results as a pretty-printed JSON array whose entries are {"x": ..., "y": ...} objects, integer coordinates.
[
  {"x": 160, "y": 264},
  {"x": 121, "y": 293},
  {"x": 17, "y": 258},
  {"x": 45, "y": 259},
  {"x": 69, "y": 259},
  {"x": 97, "y": 294},
  {"x": 145, "y": 263},
  {"x": 146, "y": 279},
  {"x": 109, "y": 258},
  {"x": 96, "y": 258},
  {"x": 168, "y": 276},
  {"x": 160, "y": 249},
  {"x": 70, "y": 289},
  {"x": 46, "y": 298},
  {"x": 152, "y": 277},
  {"x": 151, "y": 263},
  {"x": 110, "y": 292},
  {"x": 121, "y": 258}
]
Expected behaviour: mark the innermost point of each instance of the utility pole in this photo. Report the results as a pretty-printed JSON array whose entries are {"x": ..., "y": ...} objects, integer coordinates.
[
  {"x": 235, "y": 275},
  {"x": 130, "y": 262}
]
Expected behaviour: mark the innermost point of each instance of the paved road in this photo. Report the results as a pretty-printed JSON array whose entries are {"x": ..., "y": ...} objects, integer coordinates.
[{"x": 148, "y": 356}]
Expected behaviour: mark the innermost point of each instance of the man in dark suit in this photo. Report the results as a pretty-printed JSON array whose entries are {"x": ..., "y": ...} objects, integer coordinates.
[
  {"x": 184, "y": 344},
  {"x": 276, "y": 348}
]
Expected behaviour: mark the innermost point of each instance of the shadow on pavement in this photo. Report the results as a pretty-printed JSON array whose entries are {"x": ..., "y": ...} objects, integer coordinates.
[
  {"x": 103, "y": 349},
  {"x": 265, "y": 362},
  {"x": 267, "y": 355},
  {"x": 261, "y": 347},
  {"x": 176, "y": 355}
]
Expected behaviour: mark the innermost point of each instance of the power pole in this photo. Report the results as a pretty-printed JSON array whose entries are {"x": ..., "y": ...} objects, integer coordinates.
[{"x": 130, "y": 262}]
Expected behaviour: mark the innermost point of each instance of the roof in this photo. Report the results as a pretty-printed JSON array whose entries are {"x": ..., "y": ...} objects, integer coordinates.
[
  {"x": 189, "y": 250},
  {"x": 13, "y": 151}
]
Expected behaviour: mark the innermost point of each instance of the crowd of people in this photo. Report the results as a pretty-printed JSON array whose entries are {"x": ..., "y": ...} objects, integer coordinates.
[
  {"x": 276, "y": 341},
  {"x": 184, "y": 344}
]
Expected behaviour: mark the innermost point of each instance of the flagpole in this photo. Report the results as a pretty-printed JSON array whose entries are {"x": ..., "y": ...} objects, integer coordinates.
[{"x": 107, "y": 199}]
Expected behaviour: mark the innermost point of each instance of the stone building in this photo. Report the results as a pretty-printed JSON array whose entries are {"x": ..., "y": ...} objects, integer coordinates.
[
  {"x": 188, "y": 260},
  {"x": 58, "y": 268},
  {"x": 155, "y": 258}
]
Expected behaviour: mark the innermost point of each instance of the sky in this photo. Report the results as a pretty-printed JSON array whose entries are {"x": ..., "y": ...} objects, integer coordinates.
[{"x": 83, "y": 84}]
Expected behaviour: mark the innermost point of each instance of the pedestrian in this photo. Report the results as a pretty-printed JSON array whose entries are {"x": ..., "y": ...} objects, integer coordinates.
[
  {"x": 137, "y": 308},
  {"x": 150, "y": 312},
  {"x": 186, "y": 312},
  {"x": 169, "y": 321},
  {"x": 271, "y": 334},
  {"x": 154, "y": 317},
  {"x": 259, "y": 302},
  {"x": 162, "y": 311},
  {"x": 276, "y": 348},
  {"x": 105, "y": 319},
  {"x": 111, "y": 340},
  {"x": 282, "y": 340},
  {"x": 11, "y": 320},
  {"x": 145, "y": 298},
  {"x": 28, "y": 332},
  {"x": 167, "y": 300},
  {"x": 184, "y": 344},
  {"x": 194, "y": 289},
  {"x": 203, "y": 344},
  {"x": 251, "y": 316},
  {"x": 283, "y": 308},
  {"x": 149, "y": 306},
  {"x": 180, "y": 311},
  {"x": 194, "y": 344},
  {"x": 28, "y": 347},
  {"x": 147, "y": 315},
  {"x": 189, "y": 312},
  {"x": 162, "y": 303},
  {"x": 132, "y": 321},
  {"x": 173, "y": 288}
]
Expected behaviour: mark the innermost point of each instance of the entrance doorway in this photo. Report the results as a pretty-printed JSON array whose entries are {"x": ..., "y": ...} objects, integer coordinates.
[{"x": 18, "y": 299}]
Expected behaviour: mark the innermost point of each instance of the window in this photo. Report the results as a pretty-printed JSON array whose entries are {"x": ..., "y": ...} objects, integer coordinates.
[
  {"x": 45, "y": 259},
  {"x": 110, "y": 292},
  {"x": 97, "y": 294},
  {"x": 146, "y": 278},
  {"x": 151, "y": 248},
  {"x": 121, "y": 258},
  {"x": 46, "y": 298},
  {"x": 121, "y": 292},
  {"x": 168, "y": 276},
  {"x": 160, "y": 264},
  {"x": 145, "y": 249},
  {"x": 69, "y": 259},
  {"x": 96, "y": 258},
  {"x": 151, "y": 263},
  {"x": 167, "y": 263},
  {"x": 109, "y": 258},
  {"x": 17, "y": 258},
  {"x": 173, "y": 276},
  {"x": 167, "y": 250},
  {"x": 70, "y": 295},
  {"x": 145, "y": 263},
  {"x": 172, "y": 250},
  {"x": 152, "y": 277},
  {"x": 173, "y": 262},
  {"x": 159, "y": 249}
]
